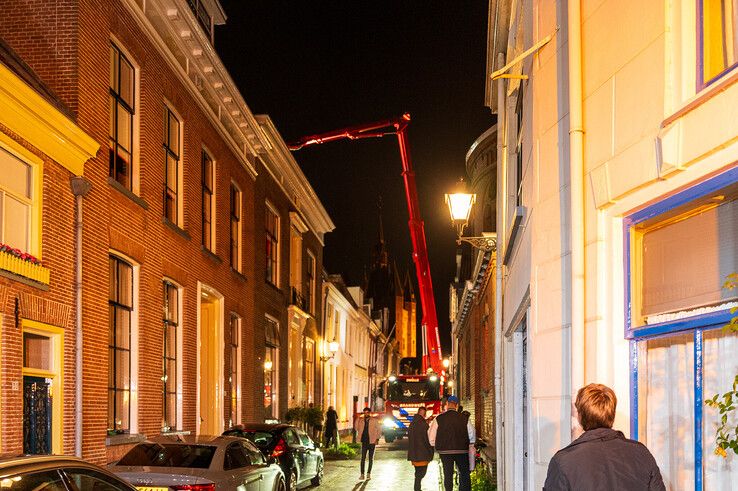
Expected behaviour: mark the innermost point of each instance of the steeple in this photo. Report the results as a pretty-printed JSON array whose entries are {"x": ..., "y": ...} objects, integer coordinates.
[
  {"x": 408, "y": 287},
  {"x": 380, "y": 256}
]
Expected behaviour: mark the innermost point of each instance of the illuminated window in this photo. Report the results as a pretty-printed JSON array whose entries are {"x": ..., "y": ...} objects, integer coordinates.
[
  {"x": 169, "y": 377},
  {"x": 235, "y": 227},
  {"x": 271, "y": 369},
  {"x": 122, "y": 110},
  {"x": 309, "y": 369},
  {"x": 208, "y": 201},
  {"x": 310, "y": 293},
  {"x": 719, "y": 40},
  {"x": 120, "y": 303},
  {"x": 16, "y": 201},
  {"x": 235, "y": 378},
  {"x": 272, "y": 246},
  {"x": 172, "y": 157}
]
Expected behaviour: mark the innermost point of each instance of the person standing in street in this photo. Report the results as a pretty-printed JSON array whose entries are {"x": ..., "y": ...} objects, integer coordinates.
[
  {"x": 368, "y": 428},
  {"x": 450, "y": 434},
  {"x": 420, "y": 451},
  {"x": 331, "y": 426},
  {"x": 602, "y": 458}
]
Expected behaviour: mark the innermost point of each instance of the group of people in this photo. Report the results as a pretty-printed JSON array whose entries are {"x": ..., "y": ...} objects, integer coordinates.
[{"x": 601, "y": 458}]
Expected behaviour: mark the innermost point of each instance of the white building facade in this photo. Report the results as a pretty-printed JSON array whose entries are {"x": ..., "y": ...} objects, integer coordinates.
[{"x": 617, "y": 223}]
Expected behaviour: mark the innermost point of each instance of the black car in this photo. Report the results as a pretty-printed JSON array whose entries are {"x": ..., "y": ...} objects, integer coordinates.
[
  {"x": 297, "y": 454},
  {"x": 56, "y": 473}
]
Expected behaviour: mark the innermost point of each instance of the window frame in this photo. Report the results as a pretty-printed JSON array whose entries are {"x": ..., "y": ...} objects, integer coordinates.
[
  {"x": 208, "y": 195},
  {"x": 117, "y": 98},
  {"x": 236, "y": 218},
  {"x": 167, "y": 324},
  {"x": 697, "y": 325},
  {"x": 33, "y": 202},
  {"x": 311, "y": 281},
  {"x": 700, "y": 69},
  {"x": 235, "y": 326},
  {"x": 274, "y": 347},
  {"x": 273, "y": 251},
  {"x": 177, "y": 154},
  {"x": 114, "y": 305}
]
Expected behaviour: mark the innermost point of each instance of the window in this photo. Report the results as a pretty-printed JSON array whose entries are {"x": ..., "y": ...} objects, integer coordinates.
[
  {"x": 208, "y": 201},
  {"x": 235, "y": 372},
  {"x": 235, "y": 228},
  {"x": 119, "y": 344},
  {"x": 309, "y": 369},
  {"x": 310, "y": 293},
  {"x": 169, "y": 377},
  {"x": 84, "y": 479},
  {"x": 519, "y": 148},
  {"x": 236, "y": 457},
  {"x": 172, "y": 158},
  {"x": 680, "y": 356},
  {"x": 50, "y": 480},
  {"x": 202, "y": 16},
  {"x": 719, "y": 40},
  {"x": 271, "y": 369},
  {"x": 122, "y": 110},
  {"x": 15, "y": 202},
  {"x": 272, "y": 246}
]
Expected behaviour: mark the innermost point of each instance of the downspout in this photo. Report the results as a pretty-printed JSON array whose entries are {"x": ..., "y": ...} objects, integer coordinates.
[
  {"x": 576, "y": 187},
  {"x": 80, "y": 187},
  {"x": 501, "y": 215}
]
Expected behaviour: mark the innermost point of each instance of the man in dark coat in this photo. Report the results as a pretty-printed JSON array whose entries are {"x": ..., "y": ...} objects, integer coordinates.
[
  {"x": 419, "y": 451},
  {"x": 331, "y": 426},
  {"x": 602, "y": 458},
  {"x": 450, "y": 433}
]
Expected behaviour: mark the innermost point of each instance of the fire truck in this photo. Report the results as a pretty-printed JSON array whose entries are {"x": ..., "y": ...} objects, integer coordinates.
[{"x": 404, "y": 393}]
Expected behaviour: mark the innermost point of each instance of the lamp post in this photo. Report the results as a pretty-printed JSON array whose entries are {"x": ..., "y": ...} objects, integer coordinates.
[{"x": 459, "y": 206}]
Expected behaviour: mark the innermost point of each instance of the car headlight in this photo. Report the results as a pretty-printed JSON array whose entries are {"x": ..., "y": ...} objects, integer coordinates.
[{"x": 388, "y": 423}]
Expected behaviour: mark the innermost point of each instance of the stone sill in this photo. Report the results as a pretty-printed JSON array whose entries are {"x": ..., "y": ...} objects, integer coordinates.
[{"x": 124, "y": 439}]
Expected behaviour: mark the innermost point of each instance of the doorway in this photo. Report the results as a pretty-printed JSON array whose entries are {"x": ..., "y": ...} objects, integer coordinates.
[
  {"x": 37, "y": 415},
  {"x": 210, "y": 363}
]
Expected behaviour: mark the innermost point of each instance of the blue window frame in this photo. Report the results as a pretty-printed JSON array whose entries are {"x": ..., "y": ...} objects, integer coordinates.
[
  {"x": 717, "y": 43},
  {"x": 697, "y": 324}
]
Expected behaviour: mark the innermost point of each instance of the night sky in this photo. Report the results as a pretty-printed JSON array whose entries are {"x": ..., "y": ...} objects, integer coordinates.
[{"x": 315, "y": 66}]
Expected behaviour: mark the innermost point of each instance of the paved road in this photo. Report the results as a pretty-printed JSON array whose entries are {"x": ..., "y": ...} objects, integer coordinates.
[{"x": 391, "y": 472}]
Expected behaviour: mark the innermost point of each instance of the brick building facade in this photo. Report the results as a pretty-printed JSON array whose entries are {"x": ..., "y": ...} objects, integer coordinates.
[{"x": 173, "y": 235}]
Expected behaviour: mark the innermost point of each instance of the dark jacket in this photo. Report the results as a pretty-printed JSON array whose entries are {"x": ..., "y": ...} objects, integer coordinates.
[
  {"x": 419, "y": 448},
  {"x": 603, "y": 459},
  {"x": 331, "y": 419},
  {"x": 452, "y": 435}
]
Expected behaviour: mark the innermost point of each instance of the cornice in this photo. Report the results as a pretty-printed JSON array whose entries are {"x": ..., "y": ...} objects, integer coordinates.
[
  {"x": 42, "y": 125},
  {"x": 178, "y": 37},
  {"x": 285, "y": 170}
]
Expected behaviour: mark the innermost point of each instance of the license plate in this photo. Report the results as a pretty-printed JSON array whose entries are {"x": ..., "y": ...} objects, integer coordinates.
[{"x": 151, "y": 488}]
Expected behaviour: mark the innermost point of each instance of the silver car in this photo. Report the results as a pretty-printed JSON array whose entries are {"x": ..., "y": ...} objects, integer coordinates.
[{"x": 199, "y": 463}]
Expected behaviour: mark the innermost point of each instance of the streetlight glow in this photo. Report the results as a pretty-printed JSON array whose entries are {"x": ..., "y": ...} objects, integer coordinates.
[
  {"x": 446, "y": 362},
  {"x": 333, "y": 347},
  {"x": 268, "y": 365}
]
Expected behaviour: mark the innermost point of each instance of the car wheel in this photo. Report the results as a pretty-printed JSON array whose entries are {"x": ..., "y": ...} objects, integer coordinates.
[
  {"x": 292, "y": 485},
  {"x": 280, "y": 486},
  {"x": 319, "y": 476}
]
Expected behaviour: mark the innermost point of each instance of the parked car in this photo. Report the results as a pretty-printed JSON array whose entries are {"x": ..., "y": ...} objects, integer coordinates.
[
  {"x": 298, "y": 455},
  {"x": 199, "y": 463},
  {"x": 57, "y": 473}
]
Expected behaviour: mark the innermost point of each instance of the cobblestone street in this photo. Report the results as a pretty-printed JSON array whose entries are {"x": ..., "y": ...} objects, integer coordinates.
[{"x": 391, "y": 471}]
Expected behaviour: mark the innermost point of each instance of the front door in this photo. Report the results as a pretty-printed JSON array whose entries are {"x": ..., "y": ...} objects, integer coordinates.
[{"x": 36, "y": 415}]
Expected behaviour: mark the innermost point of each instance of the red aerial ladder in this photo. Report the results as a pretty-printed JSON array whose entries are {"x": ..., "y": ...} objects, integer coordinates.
[{"x": 398, "y": 126}]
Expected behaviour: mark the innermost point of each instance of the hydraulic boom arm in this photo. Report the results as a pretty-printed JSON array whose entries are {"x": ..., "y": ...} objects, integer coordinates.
[{"x": 398, "y": 126}]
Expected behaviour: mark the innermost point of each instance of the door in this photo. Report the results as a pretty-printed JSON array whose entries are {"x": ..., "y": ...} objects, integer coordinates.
[
  {"x": 211, "y": 360},
  {"x": 36, "y": 415},
  {"x": 297, "y": 451},
  {"x": 311, "y": 458}
]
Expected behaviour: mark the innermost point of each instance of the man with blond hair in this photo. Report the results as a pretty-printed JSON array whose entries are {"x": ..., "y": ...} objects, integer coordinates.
[{"x": 602, "y": 458}]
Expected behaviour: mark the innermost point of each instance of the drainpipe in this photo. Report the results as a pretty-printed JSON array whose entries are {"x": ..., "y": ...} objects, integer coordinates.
[
  {"x": 80, "y": 187},
  {"x": 501, "y": 215},
  {"x": 576, "y": 187}
]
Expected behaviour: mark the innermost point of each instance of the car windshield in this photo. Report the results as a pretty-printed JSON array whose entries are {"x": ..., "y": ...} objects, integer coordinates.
[
  {"x": 423, "y": 390},
  {"x": 260, "y": 438},
  {"x": 169, "y": 455}
]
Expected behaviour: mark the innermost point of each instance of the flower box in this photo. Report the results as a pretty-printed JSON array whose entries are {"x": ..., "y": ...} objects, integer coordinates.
[{"x": 22, "y": 267}]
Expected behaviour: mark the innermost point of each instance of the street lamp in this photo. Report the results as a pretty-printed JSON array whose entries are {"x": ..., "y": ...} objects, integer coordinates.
[
  {"x": 333, "y": 349},
  {"x": 445, "y": 362},
  {"x": 459, "y": 206},
  {"x": 268, "y": 365}
]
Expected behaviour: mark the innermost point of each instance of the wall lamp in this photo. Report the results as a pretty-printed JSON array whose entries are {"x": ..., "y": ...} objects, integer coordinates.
[
  {"x": 332, "y": 349},
  {"x": 460, "y": 205}
]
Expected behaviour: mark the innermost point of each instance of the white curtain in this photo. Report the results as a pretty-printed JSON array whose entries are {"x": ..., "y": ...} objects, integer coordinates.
[
  {"x": 666, "y": 400},
  {"x": 720, "y": 366}
]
